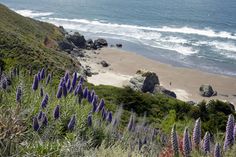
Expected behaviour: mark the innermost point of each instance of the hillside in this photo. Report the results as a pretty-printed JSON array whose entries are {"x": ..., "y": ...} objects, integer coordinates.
[{"x": 26, "y": 42}]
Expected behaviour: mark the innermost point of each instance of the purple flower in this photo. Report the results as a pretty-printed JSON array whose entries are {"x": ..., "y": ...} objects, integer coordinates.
[
  {"x": 131, "y": 123},
  {"x": 85, "y": 93},
  {"x": 71, "y": 89},
  {"x": 217, "y": 152},
  {"x": 40, "y": 115},
  {"x": 186, "y": 143},
  {"x": 41, "y": 92},
  {"x": 35, "y": 83},
  {"x": 18, "y": 94},
  {"x": 81, "y": 81},
  {"x": 44, "y": 101},
  {"x": 78, "y": 90},
  {"x": 100, "y": 106},
  {"x": 45, "y": 119},
  {"x": 94, "y": 103},
  {"x": 56, "y": 112},
  {"x": 35, "y": 124},
  {"x": 68, "y": 84},
  {"x": 174, "y": 141},
  {"x": 66, "y": 76},
  {"x": 74, "y": 80},
  {"x": 206, "y": 143},
  {"x": 104, "y": 113},
  {"x": 197, "y": 133},
  {"x": 89, "y": 120},
  {"x": 89, "y": 97},
  {"x": 59, "y": 92},
  {"x": 62, "y": 81},
  {"x": 229, "y": 137},
  {"x": 48, "y": 79},
  {"x": 234, "y": 131},
  {"x": 39, "y": 76},
  {"x": 64, "y": 89},
  {"x": 109, "y": 117},
  {"x": 42, "y": 73},
  {"x": 71, "y": 123}
]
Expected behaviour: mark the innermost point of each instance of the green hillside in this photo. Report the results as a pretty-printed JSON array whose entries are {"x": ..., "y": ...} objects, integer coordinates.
[{"x": 26, "y": 42}]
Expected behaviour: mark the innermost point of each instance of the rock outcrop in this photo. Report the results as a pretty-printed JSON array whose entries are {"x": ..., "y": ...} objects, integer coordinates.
[
  {"x": 207, "y": 91},
  {"x": 144, "y": 81},
  {"x": 162, "y": 90},
  {"x": 77, "y": 39},
  {"x": 99, "y": 43}
]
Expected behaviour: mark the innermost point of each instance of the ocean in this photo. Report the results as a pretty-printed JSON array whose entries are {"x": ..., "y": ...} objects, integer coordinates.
[{"x": 198, "y": 34}]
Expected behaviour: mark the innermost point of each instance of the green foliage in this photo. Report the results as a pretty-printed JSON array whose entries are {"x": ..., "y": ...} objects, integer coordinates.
[
  {"x": 22, "y": 44},
  {"x": 168, "y": 122}
]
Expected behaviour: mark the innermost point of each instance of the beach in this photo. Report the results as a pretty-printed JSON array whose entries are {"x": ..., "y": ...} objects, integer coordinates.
[{"x": 184, "y": 82}]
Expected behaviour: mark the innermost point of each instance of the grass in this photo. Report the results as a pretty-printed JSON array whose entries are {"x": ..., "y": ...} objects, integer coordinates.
[
  {"x": 149, "y": 137},
  {"x": 22, "y": 44}
]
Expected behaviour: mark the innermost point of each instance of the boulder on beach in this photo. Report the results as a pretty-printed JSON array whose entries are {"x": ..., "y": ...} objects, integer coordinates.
[
  {"x": 144, "y": 81},
  {"x": 104, "y": 63},
  {"x": 77, "y": 39},
  {"x": 119, "y": 45},
  {"x": 207, "y": 91},
  {"x": 99, "y": 43},
  {"x": 162, "y": 90}
]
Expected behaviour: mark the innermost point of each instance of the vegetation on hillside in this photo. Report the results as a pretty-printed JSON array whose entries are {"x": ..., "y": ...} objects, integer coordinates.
[
  {"x": 74, "y": 118},
  {"x": 28, "y": 43}
]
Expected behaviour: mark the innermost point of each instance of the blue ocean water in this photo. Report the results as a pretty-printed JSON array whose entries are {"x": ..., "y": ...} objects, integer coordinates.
[{"x": 191, "y": 33}]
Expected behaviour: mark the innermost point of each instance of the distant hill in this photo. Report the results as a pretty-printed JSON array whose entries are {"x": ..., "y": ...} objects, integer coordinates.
[{"x": 27, "y": 42}]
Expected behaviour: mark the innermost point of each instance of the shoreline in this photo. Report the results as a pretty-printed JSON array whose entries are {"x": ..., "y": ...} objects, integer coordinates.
[{"x": 185, "y": 82}]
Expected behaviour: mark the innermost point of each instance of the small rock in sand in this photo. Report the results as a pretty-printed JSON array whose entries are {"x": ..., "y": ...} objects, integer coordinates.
[
  {"x": 207, "y": 91},
  {"x": 104, "y": 63}
]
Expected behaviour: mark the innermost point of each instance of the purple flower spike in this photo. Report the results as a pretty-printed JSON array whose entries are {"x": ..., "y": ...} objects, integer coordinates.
[
  {"x": 71, "y": 89},
  {"x": 40, "y": 115},
  {"x": 186, "y": 143},
  {"x": 174, "y": 141},
  {"x": 71, "y": 124},
  {"x": 90, "y": 120},
  {"x": 44, "y": 101},
  {"x": 81, "y": 81},
  {"x": 131, "y": 123},
  {"x": 35, "y": 124},
  {"x": 41, "y": 92},
  {"x": 59, "y": 92},
  {"x": 56, "y": 112},
  {"x": 85, "y": 93},
  {"x": 100, "y": 106},
  {"x": 217, "y": 152},
  {"x": 42, "y": 74},
  {"x": 74, "y": 80},
  {"x": 62, "y": 81},
  {"x": 104, "y": 113},
  {"x": 94, "y": 103},
  {"x": 4, "y": 84},
  {"x": 64, "y": 89},
  {"x": 229, "y": 137},
  {"x": 68, "y": 84},
  {"x": 48, "y": 79},
  {"x": 234, "y": 131},
  {"x": 197, "y": 133},
  {"x": 79, "y": 90},
  {"x": 109, "y": 117},
  {"x": 45, "y": 119},
  {"x": 18, "y": 94},
  {"x": 206, "y": 143},
  {"x": 66, "y": 76},
  {"x": 39, "y": 76},
  {"x": 35, "y": 83},
  {"x": 89, "y": 97}
]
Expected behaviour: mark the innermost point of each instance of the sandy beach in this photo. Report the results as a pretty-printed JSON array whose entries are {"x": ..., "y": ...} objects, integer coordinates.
[{"x": 184, "y": 82}]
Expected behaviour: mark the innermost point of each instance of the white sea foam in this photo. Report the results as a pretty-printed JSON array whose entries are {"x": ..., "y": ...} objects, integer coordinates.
[
  {"x": 73, "y": 23},
  {"x": 33, "y": 14}
]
